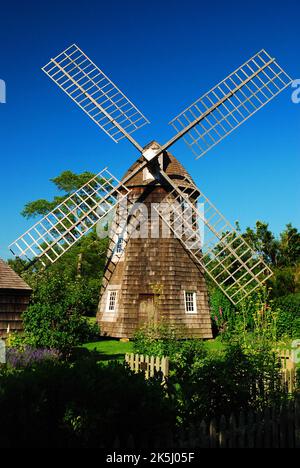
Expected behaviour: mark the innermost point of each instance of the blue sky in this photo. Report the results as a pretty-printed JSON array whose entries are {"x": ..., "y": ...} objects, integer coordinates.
[{"x": 163, "y": 55}]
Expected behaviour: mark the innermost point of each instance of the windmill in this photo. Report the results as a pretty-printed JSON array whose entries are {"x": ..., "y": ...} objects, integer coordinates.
[{"x": 150, "y": 277}]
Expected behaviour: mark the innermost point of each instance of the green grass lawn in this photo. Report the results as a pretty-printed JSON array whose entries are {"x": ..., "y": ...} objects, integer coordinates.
[
  {"x": 113, "y": 349},
  {"x": 109, "y": 349}
]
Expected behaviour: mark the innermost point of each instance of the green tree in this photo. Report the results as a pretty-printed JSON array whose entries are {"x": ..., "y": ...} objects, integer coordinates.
[
  {"x": 68, "y": 289},
  {"x": 66, "y": 182},
  {"x": 290, "y": 246},
  {"x": 55, "y": 317},
  {"x": 263, "y": 242}
]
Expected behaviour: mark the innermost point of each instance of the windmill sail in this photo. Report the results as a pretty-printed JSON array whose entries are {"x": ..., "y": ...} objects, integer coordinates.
[
  {"x": 221, "y": 252},
  {"x": 95, "y": 94},
  {"x": 57, "y": 232},
  {"x": 229, "y": 104}
]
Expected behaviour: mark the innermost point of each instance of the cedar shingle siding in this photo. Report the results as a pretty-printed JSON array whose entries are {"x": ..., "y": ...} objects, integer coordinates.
[
  {"x": 153, "y": 274},
  {"x": 14, "y": 299}
]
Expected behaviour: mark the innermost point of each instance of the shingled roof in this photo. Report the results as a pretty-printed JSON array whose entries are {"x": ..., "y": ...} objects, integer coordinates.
[
  {"x": 172, "y": 167},
  {"x": 10, "y": 280}
]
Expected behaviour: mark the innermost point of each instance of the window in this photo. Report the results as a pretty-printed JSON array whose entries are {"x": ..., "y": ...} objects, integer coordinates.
[
  {"x": 111, "y": 301},
  {"x": 190, "y": 302},
  {"x": 119, "y": 247}
]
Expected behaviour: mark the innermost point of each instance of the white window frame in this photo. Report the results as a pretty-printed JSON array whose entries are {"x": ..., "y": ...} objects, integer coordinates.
[
  {"x": 194, "y": 299},
  {"x": 108, "y": 301}
]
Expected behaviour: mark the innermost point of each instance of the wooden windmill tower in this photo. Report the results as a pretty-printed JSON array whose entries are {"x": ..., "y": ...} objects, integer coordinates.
[
  {"x": 149, "y": 273},
  {"x": 148, "y": 277}
]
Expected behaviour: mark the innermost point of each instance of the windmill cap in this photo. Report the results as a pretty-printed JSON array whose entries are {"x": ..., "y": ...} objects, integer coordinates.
[{"x": 172, "y": 167}]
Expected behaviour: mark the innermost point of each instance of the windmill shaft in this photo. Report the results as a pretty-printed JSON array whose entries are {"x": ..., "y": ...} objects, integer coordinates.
[
  {"x": 107, "y": 115},
  {"x": 189, "y": 127}
]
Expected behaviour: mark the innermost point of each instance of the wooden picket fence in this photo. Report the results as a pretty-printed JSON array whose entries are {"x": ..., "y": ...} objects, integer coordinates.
[
  {"x": 272, "y": 428},
  {"x": 288, "y": 370},
  {"x": 148, "y": 364},
  {"x": 286, "y": 357},
  {"x": 289, "y": 380},
  {"x": 151, "y": 364}
]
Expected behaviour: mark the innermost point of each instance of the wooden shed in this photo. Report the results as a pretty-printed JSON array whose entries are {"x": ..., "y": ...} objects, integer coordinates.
[
  {"x": 153, "y": 278},
  {"x": 14, "y": 299}
]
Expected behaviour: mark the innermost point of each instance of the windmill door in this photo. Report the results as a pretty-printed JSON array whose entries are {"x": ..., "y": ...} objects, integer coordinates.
[{"x": 147, "y": 309}]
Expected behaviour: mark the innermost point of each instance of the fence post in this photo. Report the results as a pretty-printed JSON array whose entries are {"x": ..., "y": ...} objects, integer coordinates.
[
  {"x": 267, "y": 428},
  {"x": 203, "y": 438},
  {"x": 2, "y": 352},
  {"x": 275, "y": 427},
  {"x": 241, "y": 431},
  {"x": 157, "y": 364},
  {"x": 283, "y": 426},
  {"x": 165, "y": 367},
  {"x": 141, "y": 367},
  {"x": 152, "y": 365},
  {"x": 223, "y": 432},
  {"x": 259, "y": 432},
  {"x": 147, "y": 371},
  {"x": 136, "y": 363},
  {"x": 213, "y": 434},
  {"x": 232, "y": 431},
  {"x": 250, "y": 430},
  {"x": 290, "y": 424},
  {"x": 192, "y": 437}
]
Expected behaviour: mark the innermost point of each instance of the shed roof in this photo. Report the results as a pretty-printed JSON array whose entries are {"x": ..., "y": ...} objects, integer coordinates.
[{"x": 10, "y": 280}]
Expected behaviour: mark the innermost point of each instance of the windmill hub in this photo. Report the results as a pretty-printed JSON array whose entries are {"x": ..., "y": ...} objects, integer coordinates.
[{"x": 151, "y": 150}]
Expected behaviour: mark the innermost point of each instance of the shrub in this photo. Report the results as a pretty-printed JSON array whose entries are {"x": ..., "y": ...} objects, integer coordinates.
[
  {"x": 157, "y": 339},
  {"x": 83, "y": 405},
  {"x": 223, "y": 312},
  {"x": 221, "y": 383},
  {"x": 51, "y": 326},
  {"x": 288, "y": 323},
  {"x": 283, "y": 282}
]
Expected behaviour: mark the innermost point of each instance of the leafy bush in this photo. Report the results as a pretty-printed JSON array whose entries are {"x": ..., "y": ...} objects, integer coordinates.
[
  {"x": 223, "y": 312},
  {"x": 157, "y": 339},
  {"x": 221, "y": 383},
  {"x": 55, "y": 319},
  {"x": 83, "y": 405},
  {"x": 52, "y": 326},
  {"x": 283, "y": 282},
  {"x": 288, "y": 323},
  {"x": 50, "y": 288}
]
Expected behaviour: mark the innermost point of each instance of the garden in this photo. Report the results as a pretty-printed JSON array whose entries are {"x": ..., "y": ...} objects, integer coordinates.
[{"x": 64, "y": 386}]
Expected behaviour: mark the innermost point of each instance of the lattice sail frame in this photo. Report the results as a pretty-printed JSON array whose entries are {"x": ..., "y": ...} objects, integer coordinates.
[
  {"x": 231, "y": 103},
  {"x": 95, "y": 93},
  {"x": 60, "y": 229},
  {"x": 130, "y": 221},
  {"x": 224, "y": 255}
]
